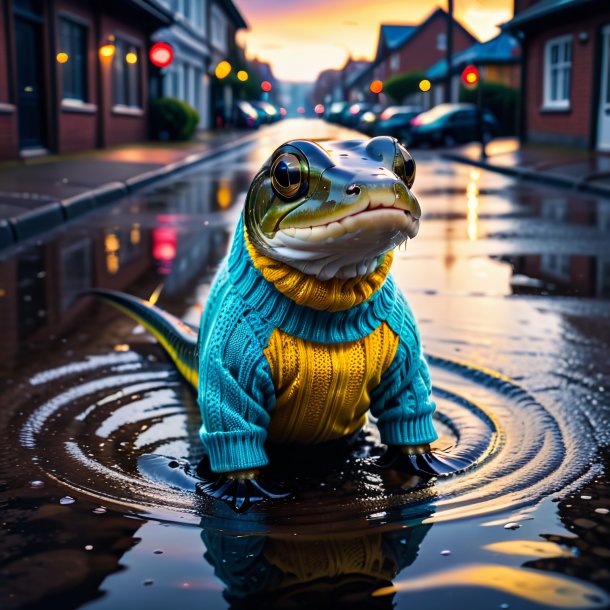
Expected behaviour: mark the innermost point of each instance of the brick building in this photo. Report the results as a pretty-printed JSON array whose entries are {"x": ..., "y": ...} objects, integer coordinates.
[
  {"x": 411, "y": 48},
  {"x": 566, "y": 71},
  {"x": 74, "y": 75}
]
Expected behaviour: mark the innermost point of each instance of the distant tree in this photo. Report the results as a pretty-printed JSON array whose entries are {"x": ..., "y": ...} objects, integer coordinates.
[{"x": 400, "y": 86}]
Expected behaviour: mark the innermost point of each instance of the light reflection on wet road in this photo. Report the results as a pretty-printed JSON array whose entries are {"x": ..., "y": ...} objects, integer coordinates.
[{"x": 509, "y": 277}]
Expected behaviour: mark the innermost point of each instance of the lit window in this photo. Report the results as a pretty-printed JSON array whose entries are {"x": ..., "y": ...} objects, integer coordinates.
[
  {"x": 73, "y": 47},
  {"x": 126, "y": 75},
  {"x": 557, "y": 72}
]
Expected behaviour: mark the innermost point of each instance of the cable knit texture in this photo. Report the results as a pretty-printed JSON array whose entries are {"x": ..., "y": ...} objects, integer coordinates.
[{"x": 281, "y": 357}]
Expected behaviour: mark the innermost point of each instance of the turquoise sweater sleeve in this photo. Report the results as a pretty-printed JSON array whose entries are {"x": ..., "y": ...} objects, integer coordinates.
[
  {"x": 235, "y": 387},
  {"x": 402, "y": 401}
]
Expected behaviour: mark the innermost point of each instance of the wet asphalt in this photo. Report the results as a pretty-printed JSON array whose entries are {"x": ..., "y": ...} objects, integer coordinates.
[{"x": 510, "y": 283}]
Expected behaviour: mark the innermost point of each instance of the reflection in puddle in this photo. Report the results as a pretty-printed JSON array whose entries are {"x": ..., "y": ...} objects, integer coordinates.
[{"x": 523, "y": 583}]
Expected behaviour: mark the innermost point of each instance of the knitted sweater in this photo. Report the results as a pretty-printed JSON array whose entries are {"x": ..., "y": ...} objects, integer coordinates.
[{"x": 289, "y": 358}]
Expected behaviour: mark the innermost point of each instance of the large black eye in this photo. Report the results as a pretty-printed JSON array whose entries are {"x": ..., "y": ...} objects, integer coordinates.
[
  {"x": 404, "y": 166},
  {"x": 287, "y": 177}
]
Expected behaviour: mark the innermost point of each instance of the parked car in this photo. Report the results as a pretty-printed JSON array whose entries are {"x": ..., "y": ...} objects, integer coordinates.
[
  {"x": 394, "y": 120},
  {"x": 352, "y": 113},
  {"x": 367, "y": 121},
  {"x": 267, "y": 112},
  {"x": 449, "y": 124},
  {"x": 334, "y": 112},
  {"x": 245, "y": 115}
]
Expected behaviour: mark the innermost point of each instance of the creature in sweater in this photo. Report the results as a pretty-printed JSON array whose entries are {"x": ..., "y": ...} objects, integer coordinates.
[{"x": 304, "y": 331}]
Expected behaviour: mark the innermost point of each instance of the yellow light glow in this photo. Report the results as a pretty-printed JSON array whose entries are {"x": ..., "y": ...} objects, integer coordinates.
[
  {"x": 472, "y": 205},
  {"x": 131, "y": 57},
  {"x": 425, "y": 85},
  {"x": 107, "y": 51},
  {"x": 535, "y": 586},
  {"x": 242, "y": 75},
  {"x": 224, "y": 196},
  {"x": 223, "y": 69},
  {"x": 135, "y": 235},
  {"x": 62, "y": 58},
  {"x": 471, "y": 77},
  {"x": 112, "y": 263}
]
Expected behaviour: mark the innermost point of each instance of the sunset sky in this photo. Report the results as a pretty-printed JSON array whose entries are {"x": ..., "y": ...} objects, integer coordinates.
[{"x": 302, "y": 37}]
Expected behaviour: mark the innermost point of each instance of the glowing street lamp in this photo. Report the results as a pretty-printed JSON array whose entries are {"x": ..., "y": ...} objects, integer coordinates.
[
  {"x": 425, "y": 85},
  {"x": 376, "y": 86},
  {"x": 62, "y": 58},
  {"x": 223, "y": 69},
  {"x": 131, "y": 57},
  {"x": 107, "y": 51},
  {"x": 242, "y": 75}
]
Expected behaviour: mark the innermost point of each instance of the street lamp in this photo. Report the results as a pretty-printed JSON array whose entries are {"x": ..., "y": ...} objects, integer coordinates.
[
  {"x": 376, "y": 87},
  {"x": 223, "y": 69},
  {"x": 242, "y": 75}
]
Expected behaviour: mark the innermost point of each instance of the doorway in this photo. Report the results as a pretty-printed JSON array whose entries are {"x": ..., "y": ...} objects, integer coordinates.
[{"x": 30, "y": 81}]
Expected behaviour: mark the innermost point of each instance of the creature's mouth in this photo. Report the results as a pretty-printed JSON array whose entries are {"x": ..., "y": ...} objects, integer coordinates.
[{"x": 373, "y": 218}]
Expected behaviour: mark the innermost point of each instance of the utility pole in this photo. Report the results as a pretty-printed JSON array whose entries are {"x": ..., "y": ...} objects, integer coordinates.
[{"x": 448, "y": 88}]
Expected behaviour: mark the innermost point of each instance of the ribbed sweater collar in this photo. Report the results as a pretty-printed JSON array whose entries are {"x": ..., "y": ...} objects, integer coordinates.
[{"x": 299, "y": 320}]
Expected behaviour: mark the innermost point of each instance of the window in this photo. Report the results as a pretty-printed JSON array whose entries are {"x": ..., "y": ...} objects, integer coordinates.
[
  {"x": 218, "y": 29},
  {"x": 73, "y": 52},
  {"x": 441, "y": 41},
  {"x": 557, "y": 73},
  {"x": 126, "y": 66},
  {"x": 395, "y": 62}
]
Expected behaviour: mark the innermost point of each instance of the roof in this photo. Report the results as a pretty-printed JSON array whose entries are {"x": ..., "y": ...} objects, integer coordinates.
[
  {"x": 543, "y": 9},
  {"x": 234, "y": 14},
  {"x": 503, "y": 49},
  {"x": 395, "y": 36}
]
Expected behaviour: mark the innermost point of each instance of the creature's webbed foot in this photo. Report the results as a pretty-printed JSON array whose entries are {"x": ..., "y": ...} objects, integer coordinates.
[
  {"x": 421, "y": 461},
  {"x": 242, "y": 489}
]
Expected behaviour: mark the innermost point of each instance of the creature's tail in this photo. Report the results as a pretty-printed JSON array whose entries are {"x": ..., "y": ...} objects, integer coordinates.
[{"x": 177, "y": 339}]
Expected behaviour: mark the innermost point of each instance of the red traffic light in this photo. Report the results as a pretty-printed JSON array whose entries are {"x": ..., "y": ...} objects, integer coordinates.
[
  {"x": 161, "y": 54},
  {"x": 470, "y": 76},
  {"x": 266, "y": 86}
]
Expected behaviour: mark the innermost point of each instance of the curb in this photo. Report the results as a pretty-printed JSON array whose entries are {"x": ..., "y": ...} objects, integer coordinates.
[
  {"x": 56, "y": 213},
  {"x": 581, "y": 185}
]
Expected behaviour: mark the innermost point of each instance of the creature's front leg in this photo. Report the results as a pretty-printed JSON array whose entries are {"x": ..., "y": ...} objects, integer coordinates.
[
  {"x": 421, "y": 460},
  {"x": 242, "y": 489}
]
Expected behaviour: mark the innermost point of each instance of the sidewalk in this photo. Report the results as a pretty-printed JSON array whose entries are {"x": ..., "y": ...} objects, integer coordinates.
[
  {"x": 580, "y": 170},
  {"x": 39, "y": 194}
]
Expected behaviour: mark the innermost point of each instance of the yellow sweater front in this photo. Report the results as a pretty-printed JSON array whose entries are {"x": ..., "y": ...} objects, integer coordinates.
[{"x": 323, "y": 389}]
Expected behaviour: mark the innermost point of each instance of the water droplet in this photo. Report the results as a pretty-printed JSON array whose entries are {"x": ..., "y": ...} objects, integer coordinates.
[
  {"x": 88, "y": 547},
  {"x": 148, "y": 581},
  {"x": 446, "y": 552},
  {"x": 513, "y": 525},
  {"x": 67, "y": 500},
  {"x": 36, "y": 483},
  {"x": 99, "y": 510},
  {"x": 158, "y": 552}
]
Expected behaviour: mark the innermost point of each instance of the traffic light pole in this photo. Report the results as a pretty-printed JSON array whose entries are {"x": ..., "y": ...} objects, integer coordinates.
[{"x": 480, "y": 116}]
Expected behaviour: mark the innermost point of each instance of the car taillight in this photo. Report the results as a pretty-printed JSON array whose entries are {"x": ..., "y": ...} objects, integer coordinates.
[{"x": 415, "y": 121}]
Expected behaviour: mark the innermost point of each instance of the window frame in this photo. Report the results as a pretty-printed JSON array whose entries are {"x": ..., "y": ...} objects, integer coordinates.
[
  {"x": 561, "y": 66},
  {"x": 71, "y": 21},
  {"x": 123, "y": 45}
]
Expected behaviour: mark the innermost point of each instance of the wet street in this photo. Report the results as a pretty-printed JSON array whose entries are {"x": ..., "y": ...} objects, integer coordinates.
[{"x": 510, "y": 283}]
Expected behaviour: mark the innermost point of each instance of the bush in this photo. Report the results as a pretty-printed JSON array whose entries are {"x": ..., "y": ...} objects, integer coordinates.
[
  {"x": 172, "y": 119},
  {"x": 400, "y": 86},
  {"x": 502, "y": 101}
]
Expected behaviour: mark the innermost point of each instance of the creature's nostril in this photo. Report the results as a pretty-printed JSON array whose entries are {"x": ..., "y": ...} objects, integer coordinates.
[{"x": 354, "y": 189}]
